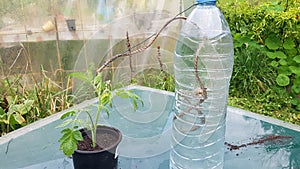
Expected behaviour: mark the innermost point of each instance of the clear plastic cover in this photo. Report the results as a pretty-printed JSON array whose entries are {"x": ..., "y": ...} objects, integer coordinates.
[{"x": 68, "y": 35}]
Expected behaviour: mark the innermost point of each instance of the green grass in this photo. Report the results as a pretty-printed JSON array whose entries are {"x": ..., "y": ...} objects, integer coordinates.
[
  {"x": 156, "y": 79},
  {"x": 274, "y": 102}
]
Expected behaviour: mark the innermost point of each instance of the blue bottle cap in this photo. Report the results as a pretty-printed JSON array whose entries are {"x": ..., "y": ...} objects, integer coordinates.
[{"x": 206, "y": 1}]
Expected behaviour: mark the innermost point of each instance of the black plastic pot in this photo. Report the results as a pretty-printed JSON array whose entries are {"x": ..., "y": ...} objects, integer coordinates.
[{"x": 101, "y": 159}]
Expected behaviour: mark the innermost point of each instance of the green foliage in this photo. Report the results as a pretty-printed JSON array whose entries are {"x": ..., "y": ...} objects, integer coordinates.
[
  {"x": 21, "y": 105},
  {"x": 156, "y": 79},
  {"x": 16, "y": 112},
  {"x": 275, "y": 102},
  {"x": 274, "y": 27},
  {"x": 251, "y": 74}
]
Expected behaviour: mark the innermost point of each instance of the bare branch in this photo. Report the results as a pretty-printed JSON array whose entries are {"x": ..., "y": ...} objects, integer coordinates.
[
  {"x": 159, "y": 59},
  {"x": 129, "y": 51},
  {"x": 140, "y": 49}
]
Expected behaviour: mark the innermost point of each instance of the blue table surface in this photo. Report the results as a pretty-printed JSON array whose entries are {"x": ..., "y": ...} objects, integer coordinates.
[{"x": 252, "y": 141}]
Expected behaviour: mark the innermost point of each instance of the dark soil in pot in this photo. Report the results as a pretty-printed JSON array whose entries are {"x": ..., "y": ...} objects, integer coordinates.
[{"x": 103, "y": 156}]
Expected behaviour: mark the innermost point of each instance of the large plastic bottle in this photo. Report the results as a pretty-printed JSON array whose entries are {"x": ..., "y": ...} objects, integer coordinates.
[{"x": 203, "y": 67}]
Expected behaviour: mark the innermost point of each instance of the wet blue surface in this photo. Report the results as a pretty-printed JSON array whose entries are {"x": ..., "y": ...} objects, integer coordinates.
[{"x": 268, "y": 143}]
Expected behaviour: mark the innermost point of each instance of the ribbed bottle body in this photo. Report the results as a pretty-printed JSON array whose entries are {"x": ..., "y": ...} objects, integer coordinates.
[{"x": 203, "y": 66}]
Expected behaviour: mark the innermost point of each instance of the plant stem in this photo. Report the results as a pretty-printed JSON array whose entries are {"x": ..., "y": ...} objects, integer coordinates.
[{"x": 93, "y": 127}]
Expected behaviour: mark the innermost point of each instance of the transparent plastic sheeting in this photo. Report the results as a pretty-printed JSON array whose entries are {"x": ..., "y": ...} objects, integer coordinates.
[
  {"x": 101, "y": 24},
  {"x": 34, "y": 21},
  {"x": 140, "y": 20}
]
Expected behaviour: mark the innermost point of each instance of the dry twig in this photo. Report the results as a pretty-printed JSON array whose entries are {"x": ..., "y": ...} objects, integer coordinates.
[{"x": 127, "y": 53}]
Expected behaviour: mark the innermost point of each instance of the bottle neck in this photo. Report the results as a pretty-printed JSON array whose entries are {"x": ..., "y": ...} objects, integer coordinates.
[{"x": 206, "y": 2}]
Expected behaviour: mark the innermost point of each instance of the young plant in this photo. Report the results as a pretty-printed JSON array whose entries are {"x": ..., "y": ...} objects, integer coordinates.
[{"x": 71, "y": 135}]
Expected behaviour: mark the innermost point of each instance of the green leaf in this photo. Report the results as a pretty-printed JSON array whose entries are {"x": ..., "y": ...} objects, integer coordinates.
[
  {"x": 68, "y": 147},
  {"x": 69, "y": 141},
  {"x": 2, "y": 111},
  {"x": 81, "y": 76},
  {"x": 3, "y": 116},
  {"x": 297, "y": 81},
  {"x": 25, "y": 107},
  {"x": 297, "y": 59},
  {"x": 12, "y": 109},
  {"x": 67, "y": 114},
  {"x": 295, "y": 101},
  {"x": 102, "y": 107},
  {"x": 291, "y": 52},
  {"x": 77, "y": 135},
  {"x": 280, "y": 55},
  {"x": 285, "y": 70},
  {"x": 254, "y": 45},
  {"x": 11, "y": 100},
  {"x": 274, "y": 63},
  {"x": 271, "y": 55},
  {"x": 98, "y": 79},
  {"x": 240, "y": 40},
  {"x": 135, "y": 98},
  {"x": 65, "y": 123},
  {"x": 11, "y": 120},
  {"x": 122, "y": 93},
  {"x": 295, "y": 69},
  {"x": 277, "y": 54},
  {"x": 65, "y": 131},
  {"x": 19, "y": 118},
  {"x": 282, "y": 80},
  {"x": 288, "y": 44},
  {"x": 273, "y": 42},
  {"x": 298, "y": 107},
  {"x": 129, "y": 94},
  {"x": 296, "y": 89},
  {"x": 135, "y": 105},
  {"x": 28, "y": 103},
  {"x": 283, "y": 62},
  {"x": 106, "y": 98}
]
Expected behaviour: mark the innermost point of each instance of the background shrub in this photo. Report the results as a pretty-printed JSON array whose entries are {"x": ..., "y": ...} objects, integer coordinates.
[{"x": 267, "y": 56}]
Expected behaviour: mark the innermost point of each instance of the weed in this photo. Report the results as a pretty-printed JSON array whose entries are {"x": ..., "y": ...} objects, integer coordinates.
[{"x": 22, "y": 104}]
